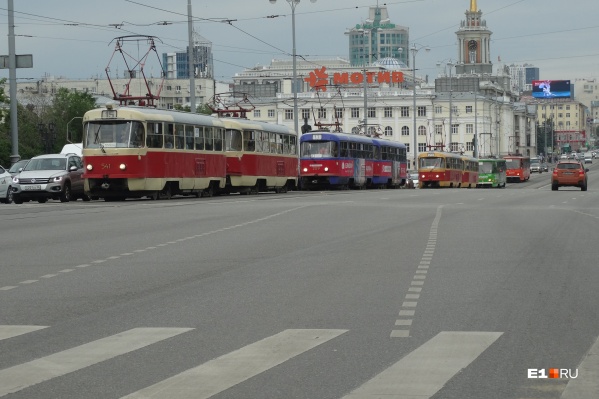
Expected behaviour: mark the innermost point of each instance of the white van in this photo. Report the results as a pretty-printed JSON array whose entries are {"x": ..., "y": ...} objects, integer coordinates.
[{"x": 72, "y": 148}]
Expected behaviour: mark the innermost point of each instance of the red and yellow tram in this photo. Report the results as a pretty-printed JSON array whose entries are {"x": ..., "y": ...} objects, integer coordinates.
[
  {"x": 440, "y": 169},
  {"x": 470, "y": 172},
  {"x": 132, "y": 152}
]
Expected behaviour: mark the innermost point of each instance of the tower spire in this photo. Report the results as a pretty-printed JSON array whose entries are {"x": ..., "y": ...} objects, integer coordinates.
[{"x": 473, "y": 7}]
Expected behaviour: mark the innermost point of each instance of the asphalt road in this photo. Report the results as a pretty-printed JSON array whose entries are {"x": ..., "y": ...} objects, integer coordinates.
[{"x": 403, "y": 294}]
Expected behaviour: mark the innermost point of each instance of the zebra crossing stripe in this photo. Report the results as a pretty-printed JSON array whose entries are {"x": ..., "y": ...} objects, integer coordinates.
[
  {"x": 24, "y": 375},
  {"x": 586, "y": 385},
  {"x": 228, "y": 370},
  {"x": 424, "y": 371},
  {"x": 13, "y": 331}
]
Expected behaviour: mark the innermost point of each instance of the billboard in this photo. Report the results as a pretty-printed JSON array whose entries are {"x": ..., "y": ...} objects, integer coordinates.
[{"x": 551, "y": 89}]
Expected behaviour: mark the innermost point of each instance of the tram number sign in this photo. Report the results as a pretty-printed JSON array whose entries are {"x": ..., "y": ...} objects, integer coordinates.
[{"x": 317, "y": 136}]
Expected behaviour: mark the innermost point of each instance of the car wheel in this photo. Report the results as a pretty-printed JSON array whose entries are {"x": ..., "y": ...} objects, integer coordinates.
[
  {"x": 66, "y": 193},
  {"x": 554, "y": 186},
  {"x": 8, "y": 198},
  {"x": 583, "y": 187},
  {"x": 86, "y": 197},
  {"x": 16, "y": 199}
]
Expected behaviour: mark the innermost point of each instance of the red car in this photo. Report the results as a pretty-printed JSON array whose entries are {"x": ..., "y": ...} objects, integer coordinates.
[{"x": 569, "y": 173}]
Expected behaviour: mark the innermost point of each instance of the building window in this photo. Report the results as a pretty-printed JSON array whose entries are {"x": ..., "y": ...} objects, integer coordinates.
[
  {"x": 355, "y": 113},
  {"x": 438, "y": 129},
  {"x": 469, "y": 128},
  {"x": 388, "y": 112},
  {"x": 405, "y": 131},
  {"x": 438, "y": 109},
  {"x": 468, "y": 109},
  {"x": 271, "y": 113},
  {"x": 338, "y": 113},
  {"x": 288, "y": 114},
  {"x": 421, "y": 147},
  {"x": 305, "y": 113},
  {"x": 388, "y": 131},
  {"x": 469, "y": 146},
  {"x": 422, "y": 111},
  {"x": 322, "y": 113},
  {"x": 371, "y": 112},
  {"x": 256, "y": 113},
  {"x": 405, "y": 111},
  {"x": 454, "y": 109},
  {"x": 407, "y": 147},
  {"x": 422, "y": 130},
  {"x": 567, "y": 114},
  {"x": 454, "y": 129},
  {"x": 454, "y": 146}
]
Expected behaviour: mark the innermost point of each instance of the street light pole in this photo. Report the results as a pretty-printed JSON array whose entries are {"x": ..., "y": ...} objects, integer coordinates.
[
  {"x": 364, "y": 35},
  {"x": 414, "y": 49},
  {"x": 293, "y": 4}
]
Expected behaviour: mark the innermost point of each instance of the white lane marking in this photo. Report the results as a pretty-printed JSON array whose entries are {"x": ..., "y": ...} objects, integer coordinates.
[
  {"x": 28, "y": 281},
  {"x": 13, "y": 331},
  {"x": 403, "y": 322},
  {"x": 233, "y": 368},
  {"x": 407, "y": 312},
  {"x": 427, "y": 369},
  {"x": 586, "y": 386},
  {"x": 400, "y": 334},
  {"x": 49, "y": 275},
  {"x": 24, "y": 375},
  {"x": 66, "y": 271},
  {"x": 8, "y": 287}
]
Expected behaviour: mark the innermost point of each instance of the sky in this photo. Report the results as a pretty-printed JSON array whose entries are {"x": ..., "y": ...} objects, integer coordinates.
[{"x": 74, "y": 39}]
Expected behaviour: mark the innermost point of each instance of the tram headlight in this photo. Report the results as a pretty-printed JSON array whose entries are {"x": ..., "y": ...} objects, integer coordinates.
[
  {"x": 305, "y": 169},
  {"x": 437, "y": 176},
  {"x": 326, "y": 168},
  {"x": 122, "y": 166},
  {"x": 89, "y": 166}
]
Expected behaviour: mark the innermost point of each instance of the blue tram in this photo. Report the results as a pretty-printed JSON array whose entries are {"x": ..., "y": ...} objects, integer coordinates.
[{"x": 341, "y": 160}]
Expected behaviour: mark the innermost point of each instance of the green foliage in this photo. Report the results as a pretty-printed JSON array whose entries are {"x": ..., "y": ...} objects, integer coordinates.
[
  {"x": 64, "y": 111},
  {"x": 203, "y": 109}
]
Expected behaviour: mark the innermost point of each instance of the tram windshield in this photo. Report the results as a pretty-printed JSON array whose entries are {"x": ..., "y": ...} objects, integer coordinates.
[
  {"x": 485, "y": 167},
  {"x": 513, "y": 163},
  {"x": 111, "y": 134},
  {"x": 319, "y": 149},
  {"x": 432, "y": 162}
]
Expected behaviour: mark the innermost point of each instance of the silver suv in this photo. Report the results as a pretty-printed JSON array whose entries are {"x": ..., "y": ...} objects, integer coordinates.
[{"x": 55, "y": 176}]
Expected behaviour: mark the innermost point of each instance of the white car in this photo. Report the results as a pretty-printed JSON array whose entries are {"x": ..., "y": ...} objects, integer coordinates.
[{"x": 5, "y": 186}]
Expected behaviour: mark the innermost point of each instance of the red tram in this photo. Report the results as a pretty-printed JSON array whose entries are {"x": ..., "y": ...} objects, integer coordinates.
[
  {"x": 341, "y": 160},
  {"x": 132, "y": 152}
]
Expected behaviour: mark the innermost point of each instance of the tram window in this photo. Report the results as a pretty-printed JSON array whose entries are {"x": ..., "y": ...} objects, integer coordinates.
[
  {"x": 292, "y": 145},
  {"x": 334, "y": 149},
  {"x": 263, "y": 143},
  {"x": 286, "y": 144},
  {"x": 188, "y": 137},
  {"x": 249, "y": 141},
  {"x": 344, "y": 151},
  {"x": 169, "y": 136},
  {"x": 154, "y": 137},
  {"x": 376, "y": 153},
  {"x": 272, "y": 139},
  {"x": 198, "y": 133},
  {"x": 179, "y": 136},
  {"x": 232, "y": 140},
  {"x": 218, "y": 139},
  {"x": 279, "y": 142},
  {"x": 209, "y": 141},
  {"x": 137, "y": 135}
]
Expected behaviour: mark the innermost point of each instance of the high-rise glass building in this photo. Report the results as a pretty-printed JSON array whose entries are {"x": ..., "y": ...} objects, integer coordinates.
[{"x": 377, "y": 38}]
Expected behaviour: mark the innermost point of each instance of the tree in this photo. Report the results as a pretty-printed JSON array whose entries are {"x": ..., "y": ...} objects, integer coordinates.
[
  {"x": 41, "y": 112},
  {"x": 66, "y": 106}
]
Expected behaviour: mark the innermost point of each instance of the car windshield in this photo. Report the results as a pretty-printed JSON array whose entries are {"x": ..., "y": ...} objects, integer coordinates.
[
  {"x": 18, "y": 165},
  {"x": 47, "y": 164}
]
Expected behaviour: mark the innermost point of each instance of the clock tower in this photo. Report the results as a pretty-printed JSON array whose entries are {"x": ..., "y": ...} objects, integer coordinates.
[{"x": 474, "y": 44}]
